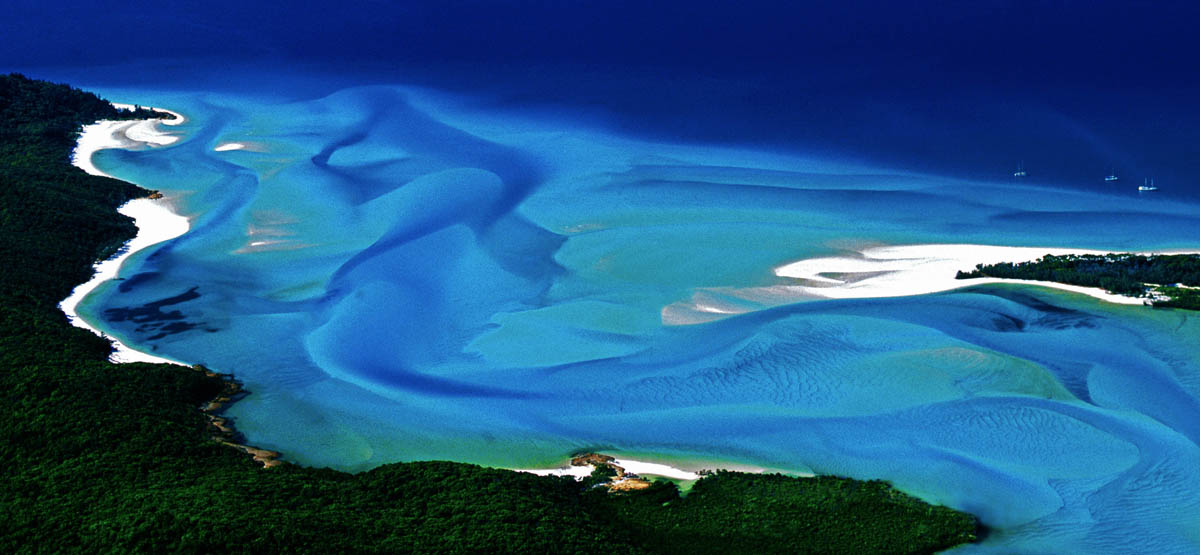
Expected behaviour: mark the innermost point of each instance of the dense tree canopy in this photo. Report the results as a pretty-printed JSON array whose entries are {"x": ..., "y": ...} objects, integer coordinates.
[{"x": 1122, "y": 273}]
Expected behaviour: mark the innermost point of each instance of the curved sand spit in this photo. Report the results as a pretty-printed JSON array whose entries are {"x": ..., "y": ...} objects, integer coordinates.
[{"x": 889, "y": 271}]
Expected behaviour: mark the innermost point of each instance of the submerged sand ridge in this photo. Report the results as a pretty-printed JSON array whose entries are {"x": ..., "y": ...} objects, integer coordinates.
[{"x": 877, "y": 272}]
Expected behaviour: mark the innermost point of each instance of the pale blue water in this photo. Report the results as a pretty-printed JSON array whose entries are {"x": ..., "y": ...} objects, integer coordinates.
[{"x": 447, "y": 278}]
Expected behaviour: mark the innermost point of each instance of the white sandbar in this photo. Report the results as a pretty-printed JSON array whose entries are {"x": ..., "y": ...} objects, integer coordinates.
[
  {"x": 890, "y": 271},
  {"x": 654, "y": 469},
  {"x": 632, "y": 466},
  {"x": 899, "y": 271},
  {"x": 643, "y": 468},
  {"x": 154, "y": 219}
]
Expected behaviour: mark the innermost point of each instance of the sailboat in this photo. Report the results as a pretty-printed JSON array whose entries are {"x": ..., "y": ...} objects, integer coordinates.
[
  {"x": 1020, "y": 170},
  {"x": 1147, "y": 185},
  {"x": 1111, "y": 176}
]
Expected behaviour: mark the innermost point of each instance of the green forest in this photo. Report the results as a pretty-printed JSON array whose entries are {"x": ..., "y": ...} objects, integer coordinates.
[
  {"x": 101, "y": 457},
  {"x": 1135, "y": 275}
]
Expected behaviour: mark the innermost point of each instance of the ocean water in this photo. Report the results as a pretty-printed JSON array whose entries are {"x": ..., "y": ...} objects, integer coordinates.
[{"x": 399, "y": 273}]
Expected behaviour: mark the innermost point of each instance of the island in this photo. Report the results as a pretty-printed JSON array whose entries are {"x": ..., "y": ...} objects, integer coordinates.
[
  {"x": 1164, "y": 280},
  {"x": 136, "y": 457}
]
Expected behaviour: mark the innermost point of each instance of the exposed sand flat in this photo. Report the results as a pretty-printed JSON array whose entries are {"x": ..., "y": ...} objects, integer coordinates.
[
  {"x": 636, "y": 467},
  {"x": 898, "y": 271},
  {"x": 655, "y": 469},
  {"x": 891, "y": 271},
  {"x": 148, "y": 132},
  {"x": 643, "y": 468},
  {"x": 246, "y": 146},
  {"x": 154, "y": 219}
]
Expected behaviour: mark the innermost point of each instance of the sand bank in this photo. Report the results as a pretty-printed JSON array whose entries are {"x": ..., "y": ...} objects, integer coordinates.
[
  {"x": 154, "y": 219},
  {"x": 645, "y": 468},
  {"x": 636, "y": 467},
  {"x": 890, "y": 271},
  {"x": 246, "y": 146},
  {"x": 899, "y": 271}
]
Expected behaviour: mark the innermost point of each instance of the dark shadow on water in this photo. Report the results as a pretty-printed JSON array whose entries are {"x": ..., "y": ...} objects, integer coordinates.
[
  {"x": 169, "y": 329},
  {"x": 1052, "y": 316},
  {"x": 151, "y": 318},
  {"x": 127, "y": 285},
  {"x": 1004, "y": 322}
]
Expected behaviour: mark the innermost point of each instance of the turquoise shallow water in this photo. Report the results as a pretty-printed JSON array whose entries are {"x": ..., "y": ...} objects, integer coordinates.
[{"x": 398, "y": 274}]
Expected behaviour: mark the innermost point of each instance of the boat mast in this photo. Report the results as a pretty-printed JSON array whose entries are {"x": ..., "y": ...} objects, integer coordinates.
[{"x": 1112, "y": 175}]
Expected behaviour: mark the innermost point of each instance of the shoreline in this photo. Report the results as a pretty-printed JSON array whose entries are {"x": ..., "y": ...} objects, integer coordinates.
[
  {"x": 224, "y": 431},
  {"x": 873, "y": 272},
  {"x": 584, "y": 469},
  {"x": 881, "y": 272},
  {"x": 155, "y": 222},
  {"x": 907, "y": 270},
  {"x": 176, "y": 117},
  {"x": 580, "y": 466},
  {"x": 154, "y": 219}
]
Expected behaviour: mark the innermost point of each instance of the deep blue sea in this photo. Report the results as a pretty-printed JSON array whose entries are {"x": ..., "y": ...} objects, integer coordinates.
[{"x": 455, "y": 228}]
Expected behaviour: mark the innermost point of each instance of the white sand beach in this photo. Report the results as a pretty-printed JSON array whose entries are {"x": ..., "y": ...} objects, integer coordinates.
[
  {"x": 154, "y": 219},
  {"x": 643, "y": 468},
  {"x": 652, "y": 469},
  {"x": 640, "y": 468},
  {"x": 888, "y": 271}
]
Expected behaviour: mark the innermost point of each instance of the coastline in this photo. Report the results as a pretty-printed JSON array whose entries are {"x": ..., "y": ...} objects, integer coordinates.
[
  {"x": 880, "y": 272},
  {"x": 224, "y": 431},
  {"x": 139, "y": 423},
  {"x": 906, "y": 270},
  {"x": 874, "y": 272},
  {"x": 581, "y": 471},
  {"x": 685, "y": 470},
  {"x": 155, "y": 220}
]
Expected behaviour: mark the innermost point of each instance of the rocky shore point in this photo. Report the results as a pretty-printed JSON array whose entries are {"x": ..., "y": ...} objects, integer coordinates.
[
  {"x": 222, "y": 428},
  {"x": 621, "y": 481}
]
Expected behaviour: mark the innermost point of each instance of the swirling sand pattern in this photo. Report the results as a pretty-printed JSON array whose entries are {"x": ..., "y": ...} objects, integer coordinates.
[{"x": 396, "y": 277}]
